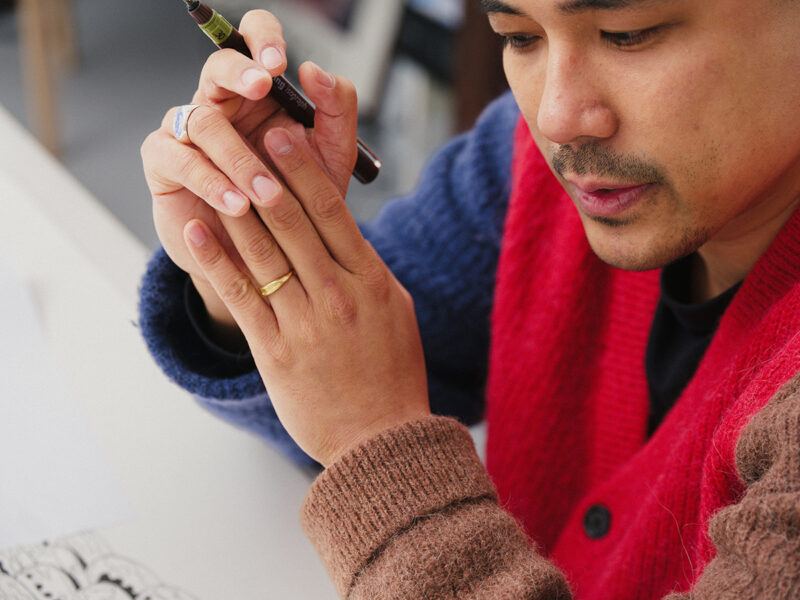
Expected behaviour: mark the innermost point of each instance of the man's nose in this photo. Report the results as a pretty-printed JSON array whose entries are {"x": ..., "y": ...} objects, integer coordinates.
[{"x": 572, "y": 108}]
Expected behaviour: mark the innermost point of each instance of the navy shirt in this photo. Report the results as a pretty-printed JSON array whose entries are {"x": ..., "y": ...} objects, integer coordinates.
[{"x": 679, "y": 337}]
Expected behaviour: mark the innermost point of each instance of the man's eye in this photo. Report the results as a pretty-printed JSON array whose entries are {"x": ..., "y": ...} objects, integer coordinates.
[
  {"x": 630, "y": 39},
  {"x": 518, "y": 41}
]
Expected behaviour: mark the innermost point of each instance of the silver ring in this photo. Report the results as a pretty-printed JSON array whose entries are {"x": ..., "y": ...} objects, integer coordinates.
[{"x": 180, "y": 126}]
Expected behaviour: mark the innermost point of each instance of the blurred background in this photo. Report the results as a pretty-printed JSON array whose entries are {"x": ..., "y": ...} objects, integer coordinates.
[{"x": 91, "y": 79}]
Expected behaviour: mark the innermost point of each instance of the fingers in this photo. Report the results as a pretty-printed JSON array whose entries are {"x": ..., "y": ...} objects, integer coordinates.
[
  {"x": 321, "y": 201},
  {"x": 217, "y": 138},
  {"x": 299, "y": 240},
  {"x": 227, "y": 74},
  {"x": 171, "y": 165},
  {"x": 266, "y": 262},
  {"x": 336, "y": 121},
  {"x": 264, "y": 36},
  {"x": 254, "y": 316},
  {"x": 279, "y": 209}
]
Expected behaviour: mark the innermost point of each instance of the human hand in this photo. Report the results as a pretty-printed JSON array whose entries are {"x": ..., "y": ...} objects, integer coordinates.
[
  {"x": 225, "y": 166},
  {"x": 338, "y": 345}
]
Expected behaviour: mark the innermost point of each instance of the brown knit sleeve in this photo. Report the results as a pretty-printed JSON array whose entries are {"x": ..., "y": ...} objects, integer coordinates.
[
  {"x": 758, "y": 538},
  {"x": 412, "y": 513}
]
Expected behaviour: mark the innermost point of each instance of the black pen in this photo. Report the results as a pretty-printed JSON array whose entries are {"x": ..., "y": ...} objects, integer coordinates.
[{"x": 225, "y": 35}]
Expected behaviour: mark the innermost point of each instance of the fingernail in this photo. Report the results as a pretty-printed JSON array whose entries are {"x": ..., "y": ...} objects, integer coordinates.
[
  {"x": 197, "y": 235},
  {"x": 234, "y": 201},
  {"x": 252, "y": 75},
  {"x": 271, "y": 57},
  {"x": 279, "y": 141},
  {"x": 265, "y": 188},
  {"x": 324, "y": 78}
]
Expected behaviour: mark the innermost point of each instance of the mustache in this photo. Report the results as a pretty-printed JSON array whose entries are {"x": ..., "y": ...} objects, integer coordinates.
[{"x": 597, "y": 160}]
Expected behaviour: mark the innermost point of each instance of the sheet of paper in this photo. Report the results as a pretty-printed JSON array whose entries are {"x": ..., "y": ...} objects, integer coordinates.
[{"x": 53, "y": 479}]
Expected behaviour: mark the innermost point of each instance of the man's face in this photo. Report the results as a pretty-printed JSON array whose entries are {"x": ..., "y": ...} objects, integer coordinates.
[{"x": 697, "y": 102}]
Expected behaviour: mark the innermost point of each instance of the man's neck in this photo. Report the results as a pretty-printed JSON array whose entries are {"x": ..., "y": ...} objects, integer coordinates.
[{"x": 727, "y": 258}]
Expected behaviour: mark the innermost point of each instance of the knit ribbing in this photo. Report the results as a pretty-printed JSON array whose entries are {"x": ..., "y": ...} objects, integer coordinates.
[
  {"x": 469, "y": 551},
  {"x": 383, "y": 486},
  {"x": 472, "y": 549}
]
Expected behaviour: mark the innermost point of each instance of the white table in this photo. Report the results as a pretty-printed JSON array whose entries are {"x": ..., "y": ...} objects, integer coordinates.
[{"x": 216, "y": 509}]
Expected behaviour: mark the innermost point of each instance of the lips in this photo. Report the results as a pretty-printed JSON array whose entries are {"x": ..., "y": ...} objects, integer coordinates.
[{"x": 606, "y": 199}]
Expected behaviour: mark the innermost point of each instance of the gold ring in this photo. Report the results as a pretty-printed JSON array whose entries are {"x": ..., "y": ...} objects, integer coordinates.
[{"x": 274, "y": 286}]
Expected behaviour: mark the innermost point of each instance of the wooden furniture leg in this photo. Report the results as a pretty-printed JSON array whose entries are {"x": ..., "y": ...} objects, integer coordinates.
[
  {"x": 39, "y": 73},
  {"x": 62, "y": 30}
]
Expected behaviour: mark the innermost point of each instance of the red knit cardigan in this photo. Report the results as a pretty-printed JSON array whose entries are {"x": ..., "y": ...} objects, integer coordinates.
[{"x": 568, "y": 400}]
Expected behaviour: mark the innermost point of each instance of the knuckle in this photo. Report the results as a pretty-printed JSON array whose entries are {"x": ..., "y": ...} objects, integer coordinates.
[
  {"x": 210, "y": 185},
  {"x": 185, "y": 163},
  {"x": 287, "y": 217},
  {"x": 236, "y": 292},
  {"x": 241, "y": 160},
  {"x": 214, "y": 259},
  {"x": 261, "y": 250},
  {"x": 339, "y": 305},
  {"x": 206, "y": 122},
  {"x": 328, "y": 205}
]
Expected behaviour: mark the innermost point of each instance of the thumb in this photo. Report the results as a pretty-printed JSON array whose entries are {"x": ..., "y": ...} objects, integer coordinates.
[{"x": 336, "y": 121}]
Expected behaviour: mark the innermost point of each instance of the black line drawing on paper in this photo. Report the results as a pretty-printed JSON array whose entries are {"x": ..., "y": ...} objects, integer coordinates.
[{"x": 79, "y": 567}]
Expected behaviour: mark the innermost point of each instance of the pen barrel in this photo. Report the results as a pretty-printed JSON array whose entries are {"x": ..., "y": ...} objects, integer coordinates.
[{"x": 293, "y": 101}]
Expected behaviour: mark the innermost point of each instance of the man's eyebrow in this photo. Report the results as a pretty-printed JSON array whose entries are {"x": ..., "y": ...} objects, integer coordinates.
[
  {"x": 496, "y": 6},
  {"x": 570, "y": 7}
]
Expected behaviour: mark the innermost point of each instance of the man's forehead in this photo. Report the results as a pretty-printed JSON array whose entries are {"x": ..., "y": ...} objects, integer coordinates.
[{"x": 569, "y": 7}]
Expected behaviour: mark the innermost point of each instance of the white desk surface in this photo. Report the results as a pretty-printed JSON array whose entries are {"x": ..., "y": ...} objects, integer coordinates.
[{"x": 216, "y": 509}]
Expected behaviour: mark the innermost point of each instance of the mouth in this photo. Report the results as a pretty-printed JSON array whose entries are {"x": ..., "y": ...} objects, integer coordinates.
[{"x": 607, "y": 199}]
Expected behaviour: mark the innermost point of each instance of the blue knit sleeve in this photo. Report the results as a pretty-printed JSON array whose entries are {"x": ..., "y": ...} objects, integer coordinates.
[{"x": 442, "y": 242}]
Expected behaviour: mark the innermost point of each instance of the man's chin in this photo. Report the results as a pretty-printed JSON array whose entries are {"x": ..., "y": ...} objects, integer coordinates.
[{"x": 625, "y": 248}]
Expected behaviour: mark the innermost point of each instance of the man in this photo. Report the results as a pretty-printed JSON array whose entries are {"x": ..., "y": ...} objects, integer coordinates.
[{"x": 628, "y": 218}]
